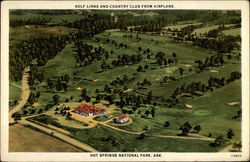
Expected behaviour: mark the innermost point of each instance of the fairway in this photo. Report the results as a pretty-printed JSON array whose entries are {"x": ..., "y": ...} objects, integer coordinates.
[{"x": 232, "y": 32}]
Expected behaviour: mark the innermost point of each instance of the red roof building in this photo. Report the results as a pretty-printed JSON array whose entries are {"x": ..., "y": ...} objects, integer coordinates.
[
  {"x": 122, "y": 118},
  {"x": 88, "y": 110}
]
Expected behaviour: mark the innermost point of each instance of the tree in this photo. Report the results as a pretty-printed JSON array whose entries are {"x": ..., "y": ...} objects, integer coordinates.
[
  {"x": 197, "y": 128},
  {"x": 50, "y": 83},
  {"x": 166, "y": 124},
  {"x": 153, "y": 112},
  {"x": 16, "y": 116},
  {"x": 125, "y": 78},
  {"x": 147, "y": 112},
  {"x": 185, "y": 128},
  {"x": 87, "y": 99},
  {"x": 32, "y": 98},
  {"x": 230, "y": 133},
  {"x": 40, "y": 111},
  {"x": 104, "y": 66},
  {"x": 181, "y": 71},
  {"x": 174, "y": 54},
  {"x": 149, "y": 97},
  {"x": 25, "y": 112},
  {"x": 66, "y": 78},
  {"x": 84, "y": 93},
  {"x": 139, "y": 69},
  {"x": 56, "y": 99},
  {"x": 218, "y": 141},
  {"x": 141, "y": 136},
  {"x": 237, "y": 145},
  {"x": 139, "y": 49}
]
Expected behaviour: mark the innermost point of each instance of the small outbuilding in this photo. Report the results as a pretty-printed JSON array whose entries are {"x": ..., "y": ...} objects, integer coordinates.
[{"x": 122, "y": 118}]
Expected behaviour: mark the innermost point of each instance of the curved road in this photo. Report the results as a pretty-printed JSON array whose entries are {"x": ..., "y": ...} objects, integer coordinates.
[
  {"x": 25, "y": 97},
  {"x": 25, "y": 94}
]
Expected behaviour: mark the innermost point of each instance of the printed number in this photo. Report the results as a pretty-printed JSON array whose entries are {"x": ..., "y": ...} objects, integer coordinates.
[{"x": 236, "y": 155}]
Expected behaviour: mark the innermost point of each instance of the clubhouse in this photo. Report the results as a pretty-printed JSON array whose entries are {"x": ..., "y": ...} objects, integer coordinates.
[{"x": 88, "y": 110}]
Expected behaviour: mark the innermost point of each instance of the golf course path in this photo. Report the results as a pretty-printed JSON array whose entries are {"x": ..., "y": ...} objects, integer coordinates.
[
  {"x": 15, "y": 85},
  {"x": 200, "y": 137},
  {"x": 24, "y": 96},
  {"x": 60, "y": 135}
]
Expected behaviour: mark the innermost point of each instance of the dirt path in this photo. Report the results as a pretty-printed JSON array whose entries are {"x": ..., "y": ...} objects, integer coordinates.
[
  {"x": 25, "y": 94},
  {"x": 60, "y": 135},
  {"x": 15, "y": 85}
]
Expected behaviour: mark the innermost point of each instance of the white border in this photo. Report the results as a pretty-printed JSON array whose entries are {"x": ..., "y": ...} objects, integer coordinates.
[{"x": 180, "y": 5}]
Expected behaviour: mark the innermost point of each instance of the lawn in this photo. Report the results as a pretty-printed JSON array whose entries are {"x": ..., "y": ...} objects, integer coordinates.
[
  {"x": 24, "y": 139},
  {"x": 179, "y": 26},
  {"x": 204, "y": 30},
  {"x": 15, "y": 92},
  {"x": 233, "y": 32},
  {"x": 24, "y": 33},
  {"x": 108, "y": 140},
  {"x": 14, "y": 95}
]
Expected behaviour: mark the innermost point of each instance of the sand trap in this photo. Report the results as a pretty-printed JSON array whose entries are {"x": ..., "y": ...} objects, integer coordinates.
[
  {"x": 214, "y": 71},
  {"x": 188, "y": 65},
  {"x": 95, "y": 80},
  {"x": 158, "y": 79},
  {"x": 171, "y": 70},
  {"x": 128, "y": 90},
  {"x": 188, "y": 106},
  {"x": 233, "y": 103},
  {"x": 79, "y": 89}
]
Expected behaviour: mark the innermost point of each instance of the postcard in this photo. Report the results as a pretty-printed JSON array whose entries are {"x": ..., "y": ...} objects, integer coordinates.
[{"x": 125, "y": 81}]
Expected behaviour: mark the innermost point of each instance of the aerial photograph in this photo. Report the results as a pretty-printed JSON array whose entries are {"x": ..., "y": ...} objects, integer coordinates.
[{"x": 125, "y": 80}]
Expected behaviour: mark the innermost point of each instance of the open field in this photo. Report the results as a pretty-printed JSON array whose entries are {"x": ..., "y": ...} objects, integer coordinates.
[
  {"x": 23, "y": 139},
  {"x": 206, "y": 29},
  {"x": 14, "y": 95},
  {"x": 233, "y": 32},
  {"x": 33, "y": 31},
  {"x": 15, "y": 92},
  {"x": 179, "y": 26}
]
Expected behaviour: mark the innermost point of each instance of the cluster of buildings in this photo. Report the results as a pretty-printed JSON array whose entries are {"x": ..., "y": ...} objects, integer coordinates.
[{"x": 89, "y": 110}]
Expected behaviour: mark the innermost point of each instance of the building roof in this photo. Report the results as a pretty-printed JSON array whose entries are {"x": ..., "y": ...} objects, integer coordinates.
[
  {"x": 89, "y": 109},
  {"x": 123, "y": 116}
]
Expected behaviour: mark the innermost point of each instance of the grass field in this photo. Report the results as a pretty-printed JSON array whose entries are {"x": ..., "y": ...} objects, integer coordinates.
[
  {"x": 113, "y": 141},
  {"x": 210, "y": 110},
  {"x": 14, "y": 95},
  {"x": 24, "y": 139},
  {"x": 233, "y": 32},
  {"x": 15, "y": 92},
  {"x": 23, "y": 33},
  {"x": 179, "y": 26},
  {"x": 206, "y": 29}
]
